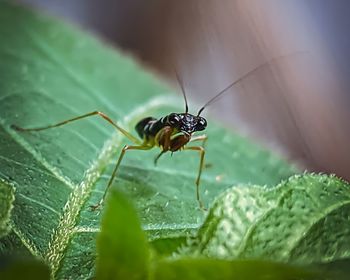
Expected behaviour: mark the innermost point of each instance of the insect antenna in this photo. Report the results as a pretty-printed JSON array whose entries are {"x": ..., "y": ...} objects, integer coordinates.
[
  {"x": 179, "y": 80},
  {"x": 221, "y": 93}
]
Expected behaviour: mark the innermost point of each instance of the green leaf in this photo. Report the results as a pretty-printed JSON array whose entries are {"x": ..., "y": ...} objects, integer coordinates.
[
  {"x": 197, "y": 269},
  {"x": 6, "y": 200},
  {"x": 123, "y": 251},
  {"x": 13, "y": 268},
  {"x": 304, "y": 220},
  {"x": 50, "y": 72}
]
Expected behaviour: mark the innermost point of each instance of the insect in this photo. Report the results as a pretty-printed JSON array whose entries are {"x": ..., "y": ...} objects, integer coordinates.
[{"x": 170, "y": 133}]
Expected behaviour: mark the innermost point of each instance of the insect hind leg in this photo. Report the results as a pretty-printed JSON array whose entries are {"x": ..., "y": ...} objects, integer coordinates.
[
  {"x": 121, "y": 156},
  {"x": 94, "y": 113}
]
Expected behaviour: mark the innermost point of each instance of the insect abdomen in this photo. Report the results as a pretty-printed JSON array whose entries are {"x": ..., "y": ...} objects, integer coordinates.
[
  {"x": 140, "y": 126},
  {"x": 149, "y": 127}
]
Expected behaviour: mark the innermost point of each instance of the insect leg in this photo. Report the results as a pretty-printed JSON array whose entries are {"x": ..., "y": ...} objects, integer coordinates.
[
  {"x": 95, "y": 113},
  {"x": 158, "y": 156},
  {"x": 201, "y": 151},
  {"x": 203, "y": 138},
  {"x": 162, "y": 139},
  {"x": 121, "y": 156}
]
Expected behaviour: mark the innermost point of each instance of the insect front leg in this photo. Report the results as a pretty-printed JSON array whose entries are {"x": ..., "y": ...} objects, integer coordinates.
[
  {"x": 121, "y": 156},
  {"x": 202, "y": 138},
  {"x": 162, "y": 139},
  {"x": 201, "y": 151}
]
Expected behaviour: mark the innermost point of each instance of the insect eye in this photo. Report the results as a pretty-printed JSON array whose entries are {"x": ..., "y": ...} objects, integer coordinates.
[
  {"x": 173, "y": 119},
  {"x": 201, "y": 124}
]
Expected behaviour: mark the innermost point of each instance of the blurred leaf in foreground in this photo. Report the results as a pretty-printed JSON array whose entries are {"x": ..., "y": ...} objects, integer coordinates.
[
  {"x": 123, "y": 251},
  {"x": 16, "y": 268},
  {"x": 203, "y": 269}
]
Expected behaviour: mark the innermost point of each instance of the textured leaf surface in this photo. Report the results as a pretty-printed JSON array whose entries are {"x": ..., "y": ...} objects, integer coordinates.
[
  {"x": 305, "y": 220},
  {"x": 50, "y": 72},
  {"x": 6, "y": 200}
]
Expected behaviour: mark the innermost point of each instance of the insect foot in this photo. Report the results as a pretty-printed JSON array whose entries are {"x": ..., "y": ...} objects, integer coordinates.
[
  {"x": 15, "y": 127},
  {"x": 95, "y": 207}
]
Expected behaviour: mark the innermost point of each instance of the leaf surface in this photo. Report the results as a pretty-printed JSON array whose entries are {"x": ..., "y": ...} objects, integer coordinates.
[
  {"x": 304, "y": 219},
  {"x": 50, "y": 72}
]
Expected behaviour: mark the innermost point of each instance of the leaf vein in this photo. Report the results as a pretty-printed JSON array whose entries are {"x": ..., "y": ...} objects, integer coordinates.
[
  {"x": 27, "y": 166},
  {"x": 37, "y": 156},
  {"x": 40, "y": 203},
  {"x": 318, "y": 218},
  {"x": 65, "y": 229},
  {"x": 26, "y": 242}
]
